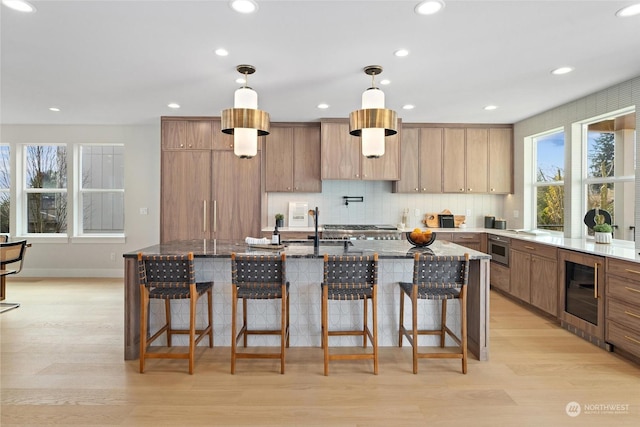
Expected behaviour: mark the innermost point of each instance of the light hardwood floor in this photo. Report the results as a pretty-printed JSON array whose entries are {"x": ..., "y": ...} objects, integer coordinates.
[{"x": 62, "y": 364}]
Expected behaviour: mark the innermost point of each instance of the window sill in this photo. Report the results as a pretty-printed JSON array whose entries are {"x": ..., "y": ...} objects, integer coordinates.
[{"x": 116, "y": 238}]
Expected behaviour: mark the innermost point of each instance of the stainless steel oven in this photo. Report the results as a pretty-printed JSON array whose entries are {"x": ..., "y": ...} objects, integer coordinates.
[{"x": 499, "y": 247}]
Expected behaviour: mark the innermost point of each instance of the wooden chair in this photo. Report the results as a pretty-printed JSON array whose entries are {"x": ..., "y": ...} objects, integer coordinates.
[
  {"x": 10, "y": 252},
  {"x": 348, "y": 278},
  {"x": 259, "y": 277},
  {"x": 171, "y": 277},
  {"x": 436, "y": 278}
]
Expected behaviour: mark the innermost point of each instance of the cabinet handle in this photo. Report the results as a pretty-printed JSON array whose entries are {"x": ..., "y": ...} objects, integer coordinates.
[
  {"x": 465, "y": 237},
  {"x": 181, "y": 145},
  {"x": 469, "y": 189},
  {"x": 462, "y": 189},
  {"x": 631, "y": 289},
  {"x": 631, "y": 314},
  {"x": 424, "y": 189},
  {"x": 357, "y": 175},
  {"x": 416, "y": 189},
  {"x": 204, "y": 216},
  {"x": 595, "y": 280},
  {"x": 530, "y": 248},
  {"x": 295, "y": 188},
  {"x": 632, "y": 339},
  {"x": 493, "y": 189},
  {"x": 632, "y": 271},
  {"x": 190, "y": 145},
  {"x": 215, "y": 216}
]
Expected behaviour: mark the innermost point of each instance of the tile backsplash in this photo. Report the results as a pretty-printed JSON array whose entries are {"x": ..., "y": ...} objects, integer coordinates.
[{"x": 381, "y": 206}]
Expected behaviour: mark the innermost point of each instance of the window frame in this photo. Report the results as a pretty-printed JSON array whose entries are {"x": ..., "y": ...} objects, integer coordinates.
[{"x": 535, "y": 184}]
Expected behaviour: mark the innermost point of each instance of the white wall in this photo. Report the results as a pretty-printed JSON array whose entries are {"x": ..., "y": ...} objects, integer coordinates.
[
  {"x": 614, "y": 98},
  {"x": 142, "y": 189},
  {"x": 381, "y": 206}
]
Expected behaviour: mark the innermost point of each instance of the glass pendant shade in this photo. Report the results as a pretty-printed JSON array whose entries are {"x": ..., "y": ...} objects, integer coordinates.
[
  {"x": 244, "y": 121},
  {"x": 373, "y": 122}
]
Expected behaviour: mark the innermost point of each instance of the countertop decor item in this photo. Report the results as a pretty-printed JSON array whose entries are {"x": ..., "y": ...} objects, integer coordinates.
[
  {"x": 279, "y": 220},
  {"x": 421, "y": 238},
  {"x": 602, "y": 231}
]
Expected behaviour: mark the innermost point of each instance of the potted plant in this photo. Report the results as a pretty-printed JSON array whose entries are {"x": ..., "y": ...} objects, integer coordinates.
[
  {"x": 602, "y": 231},
  {"x": 279, "y": 220}
]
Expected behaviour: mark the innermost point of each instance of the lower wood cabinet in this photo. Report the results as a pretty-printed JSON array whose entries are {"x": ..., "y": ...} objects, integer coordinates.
[
  {"x": 533, "y": 274},
  {"x": 622, "y": 313},
  {"x": 500, "y": 277}
]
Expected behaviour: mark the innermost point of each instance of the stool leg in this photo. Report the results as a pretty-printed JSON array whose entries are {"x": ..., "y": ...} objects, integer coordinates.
[
  {"x": 401, "y": 322},
  {"x": 414, "y": 320},
  {"x": 443, "y": 322},
  {"x": 374, "y": 314},
  {"x": 167, "y": 314},
  {"x": 288, "y": 320},
  {"x": 210, "y": 313},
  {"x": 144, "y": 313},
  {"x": 463, "y": 327},
  {"x": 325, "y": 327},
  {"x": 192, "y": 326},
  {"x": 283, "y": 327},
  {"x": 234, "y": 314},
  {"x": 244, "y": 321},
  {"x": 364, "y": 325}
]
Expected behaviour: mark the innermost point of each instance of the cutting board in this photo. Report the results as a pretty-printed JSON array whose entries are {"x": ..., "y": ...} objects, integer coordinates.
[{"x": 431, "y": 219}]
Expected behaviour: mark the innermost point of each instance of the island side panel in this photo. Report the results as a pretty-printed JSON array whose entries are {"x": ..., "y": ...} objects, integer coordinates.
[{"x": 131, "y": 310}]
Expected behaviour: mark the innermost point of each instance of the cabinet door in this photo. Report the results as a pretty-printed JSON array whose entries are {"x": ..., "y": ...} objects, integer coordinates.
[
  {"x": 221, "y": 141},
  {"x": 306, "y": 160},
  {"x": 185, "y": 195},
  {"x": 186, "y": 134},
  {"x": 453, "y": 161},
  {"x": 279, "y": 160},
  {"x": 410, "y": 162},
  {"x": 387, "y": 167},
  {"x": 520, "y": 266},
  {"x": 340, "y": 152},
  {"x": 544, "y": 284},
  {"x": 431, "y": 160},
  {"x": 477, "y": 155},
  {"x": 500, "y": 277},
  {"x": 237, "y": 194},
  {"x": 500, "y": 161}
]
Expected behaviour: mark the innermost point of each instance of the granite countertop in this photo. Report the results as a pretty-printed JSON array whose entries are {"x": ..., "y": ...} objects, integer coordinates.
[{"x": 384, "y": 248}]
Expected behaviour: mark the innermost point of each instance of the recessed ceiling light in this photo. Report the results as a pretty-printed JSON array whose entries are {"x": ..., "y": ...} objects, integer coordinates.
[
  {"x": 56, "y": 109},
  {"x": 562, "y": 70},
  {"x": 19, "y": 5},
  {"x": 173, "y": 105},
  {"x": 401, "y": 52},
  {"x": 408, "y": 107},
  {"x": 631, "y": 10},
  {"x": 323, "y": 106},
  {"x": 385, "y": 82},
  {"x": 490, "y": 107},
  {"x": 222, "y": 52},
  {"x": 429, "y": 7},
  {"x": 244, "y": 6}
]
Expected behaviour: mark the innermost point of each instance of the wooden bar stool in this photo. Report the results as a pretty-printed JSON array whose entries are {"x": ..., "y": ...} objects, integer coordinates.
[
  {"x": 259, "y": 277},
  {"x": 436, "y": 278},
  {"x": 170, "y": 277},
  {"x": 348, "y": 278}
]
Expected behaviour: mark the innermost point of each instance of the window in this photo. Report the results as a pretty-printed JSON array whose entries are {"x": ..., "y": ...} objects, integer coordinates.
[
  {"x": 101, "y": 189},
  {"x": 5, "y": 185},
  {"x": 609, "y": 176},
  {"x": 548, "y": 152},
  {"x": 45, "y": 188}
]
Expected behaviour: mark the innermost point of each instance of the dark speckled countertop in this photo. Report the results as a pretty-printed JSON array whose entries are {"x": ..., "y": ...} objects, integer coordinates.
[{"x": 384, "y": 248}]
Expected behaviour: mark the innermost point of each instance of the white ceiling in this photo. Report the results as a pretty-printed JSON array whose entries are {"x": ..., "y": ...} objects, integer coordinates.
[{"x": 122, "y": 62}]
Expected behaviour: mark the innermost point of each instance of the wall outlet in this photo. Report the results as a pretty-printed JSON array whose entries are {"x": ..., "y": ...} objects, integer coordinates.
[
  {"x": 113, "y": 256},
  {"x": 416, "y": 212},
  {"x": 468, "y": 213},
  {"x": 144, "y": 211},
  {"x": 516, "y": 213}
]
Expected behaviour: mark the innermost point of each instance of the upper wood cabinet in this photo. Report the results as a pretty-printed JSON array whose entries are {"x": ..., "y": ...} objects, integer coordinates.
[
  {"x": 420, "y": 161},
  {"x": 341, "y": 155},
  {"x": 500, "y": 160},
  {"x": 464, "y": 160},
  {"x": 292, "y": 159},
  {"x": 186, "y": 134},
  {"x": 223, "y": 141}
]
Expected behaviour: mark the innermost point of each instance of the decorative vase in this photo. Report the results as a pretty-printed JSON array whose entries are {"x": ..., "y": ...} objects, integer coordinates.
[{"x": 602, "y": 237}]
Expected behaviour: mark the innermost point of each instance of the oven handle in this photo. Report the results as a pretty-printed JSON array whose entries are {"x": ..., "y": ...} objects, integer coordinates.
[{"x": 595, "y": 280}]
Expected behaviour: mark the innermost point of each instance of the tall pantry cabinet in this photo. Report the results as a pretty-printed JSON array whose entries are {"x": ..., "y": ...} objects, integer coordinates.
[{"x": 206, "y": 191}]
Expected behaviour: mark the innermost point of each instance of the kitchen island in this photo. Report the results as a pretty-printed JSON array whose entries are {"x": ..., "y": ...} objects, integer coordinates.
[{"x": 304, "y": 269}]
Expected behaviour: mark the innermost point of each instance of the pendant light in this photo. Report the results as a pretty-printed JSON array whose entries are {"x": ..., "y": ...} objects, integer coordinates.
[
  {"x": 373, "y": 122},
  {"x": 244, "y": 121}
]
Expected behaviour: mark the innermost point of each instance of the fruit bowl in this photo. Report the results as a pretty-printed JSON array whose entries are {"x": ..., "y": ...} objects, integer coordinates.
[{"x": 430, "y": 240}]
